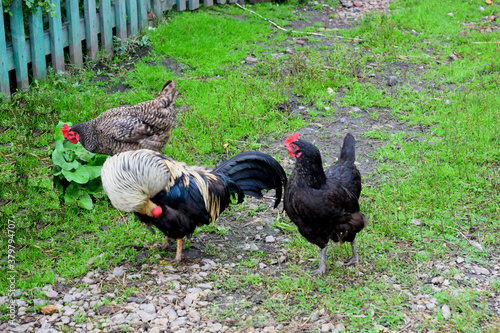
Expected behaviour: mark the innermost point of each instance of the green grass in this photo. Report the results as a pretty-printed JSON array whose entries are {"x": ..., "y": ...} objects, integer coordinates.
[{"x": 444, "y": 171}]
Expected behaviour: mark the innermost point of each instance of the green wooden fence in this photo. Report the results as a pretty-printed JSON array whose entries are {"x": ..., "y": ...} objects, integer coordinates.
[{"x": 127, "y": 17}]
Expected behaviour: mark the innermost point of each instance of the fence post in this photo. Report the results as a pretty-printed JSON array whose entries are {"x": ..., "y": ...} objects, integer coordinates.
[
  {"x": 19, "y": 44},
  {"x": 4, "y": 66},
  {"x": 74, "y": 37},
  {"x": 91, "y": 28}
]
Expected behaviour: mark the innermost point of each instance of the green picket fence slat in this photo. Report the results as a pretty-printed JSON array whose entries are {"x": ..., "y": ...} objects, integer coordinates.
[
  {"x": 133, "y": 24},
  {"x": 37, "y": 46},
  {"x": 56, "y": 45},
  {"x": 4, "y": 69},
  {"x": 142, "y": 14},
  {"x": 194, "y": 4},
  {"x": 91, "y": 28},
  {"x": 105, "y": 24},
  {"x": 74, "y": 34},
  {"x": 19, "y": 44},
  {"x": 121, "y": 19}
]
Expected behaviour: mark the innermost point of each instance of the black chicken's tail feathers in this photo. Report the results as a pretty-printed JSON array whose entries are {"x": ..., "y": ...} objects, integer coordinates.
[
  {"x": 253, "y": 172},
  {"x": 348, "y": 149}
]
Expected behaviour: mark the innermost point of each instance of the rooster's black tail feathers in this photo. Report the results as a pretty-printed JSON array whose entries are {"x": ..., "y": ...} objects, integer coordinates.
[
  {"x": 347, "y": 153},
  {"x": 253, "y": 172}
]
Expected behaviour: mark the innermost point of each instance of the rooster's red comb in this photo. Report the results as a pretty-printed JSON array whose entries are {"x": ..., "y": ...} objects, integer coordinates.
[
  {"x": 64, "y": 130},
  {"x": 292, "y": 138}
]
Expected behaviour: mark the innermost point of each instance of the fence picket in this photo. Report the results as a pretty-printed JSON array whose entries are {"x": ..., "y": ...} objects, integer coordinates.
[
  {"x": 132, "y": 18},
  {"x": 91, "y": 28},
  {"x": 74, "y": 36},
  {"x": 37, "y": 45},
  {"x": 4, "y": 69},
  {"x": 105, "y": 24},
  {"x": 194, "y": 4},
  {"x": 121, "y": 19},
  {"x": 181, "y": 5},
  {"x": 142, "y": 14},
  {"x": 19, "y": 44},
  {"x": 56, "y": 42}
]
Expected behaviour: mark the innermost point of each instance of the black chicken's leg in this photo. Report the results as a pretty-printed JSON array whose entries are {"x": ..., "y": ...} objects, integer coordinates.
[
  {"x": 353, "y": 260},
  {"x": 322, "y": 263}
]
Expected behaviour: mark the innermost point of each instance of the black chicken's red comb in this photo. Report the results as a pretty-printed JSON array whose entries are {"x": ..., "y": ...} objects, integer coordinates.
[{"x": 292, "y": 138}]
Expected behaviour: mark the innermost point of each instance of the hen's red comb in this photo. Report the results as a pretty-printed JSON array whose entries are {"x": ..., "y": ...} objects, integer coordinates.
[
  {"x": 64, "y": 130},
  {"x": 292, "y": 138}
]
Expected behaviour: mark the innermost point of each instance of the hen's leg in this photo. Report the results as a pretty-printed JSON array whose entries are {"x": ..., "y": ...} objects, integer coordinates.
[
  {"x": 322, "y": 263},
  {"x": 353, "y": 260}
]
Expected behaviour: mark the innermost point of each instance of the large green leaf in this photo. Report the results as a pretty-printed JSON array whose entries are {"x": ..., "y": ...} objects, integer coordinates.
[
  {"x": 85, "y": 201},
  {"x": 58, "y": 158},
  {"x": 94, "y": 171},
  {"x": 80, "y": 175},
  {"x": 71, "y": 194},
  {"x": 71, "y": 165}
]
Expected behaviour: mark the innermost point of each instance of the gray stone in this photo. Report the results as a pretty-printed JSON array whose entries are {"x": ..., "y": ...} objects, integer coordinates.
[
  {"x": 20, "y": 303},
  {"x": 270, "y": 239},
  {"x": 446, "y": 311},
  {"x": 216, "y": 327},
  {"x": 204, "y": 286},
  {"x": 22, "y": 328},
  {"x": 68, "y": 311},
  {"x": 330, "y": 91},
  {"x": 254, "y": 247},
  {"x": 68, "y": 298},
  {"x": 251, "y": 59},
  {"x": 392, "y": 80},
  {"x": 148, "y": 308},
  {"x": 51, "y": 294},
  {"x": 416, "y": 222},
  {"x": 145, "y": 316},
  {"x": 118, "y": 272},
  {"x": 118, "y": 319}
]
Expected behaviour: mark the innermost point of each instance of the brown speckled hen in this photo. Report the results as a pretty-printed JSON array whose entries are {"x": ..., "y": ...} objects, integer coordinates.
[
  {"x": 146, "y": 125},
  {"x": 324, "y": 203}
]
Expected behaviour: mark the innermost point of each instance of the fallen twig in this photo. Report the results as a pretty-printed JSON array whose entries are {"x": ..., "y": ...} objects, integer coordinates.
[{"x": 277, "y": 26}]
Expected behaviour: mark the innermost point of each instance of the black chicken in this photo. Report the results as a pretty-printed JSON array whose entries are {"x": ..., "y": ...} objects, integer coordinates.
[
  {"x": 324, "y": 204},
  {"x": 177, "y": 198}
]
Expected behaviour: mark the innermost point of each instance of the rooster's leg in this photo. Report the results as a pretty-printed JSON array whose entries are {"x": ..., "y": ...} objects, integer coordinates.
[
  {"x": 353, "y": 260},
  {"x": 178, "y": 254},
  {"x": 322, "y": 263}
]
